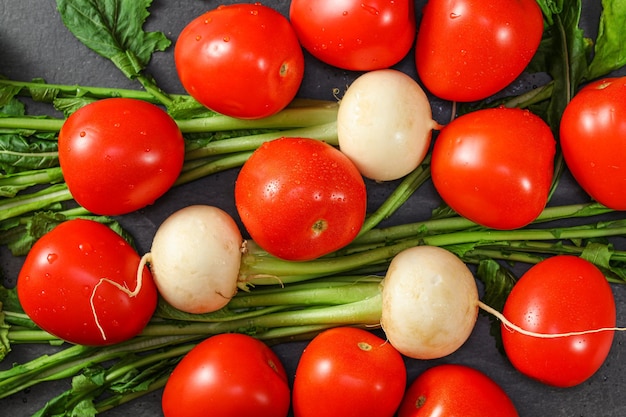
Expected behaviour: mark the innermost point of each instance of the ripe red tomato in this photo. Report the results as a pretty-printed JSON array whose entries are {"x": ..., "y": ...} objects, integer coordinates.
[
  {"x": 467, "y": 50},
  {"x": 228, "y": 375},
  {"x": 346, "y": 372},
  {"x": 560, "y": 294},
  {"x": 495, "y": 166},
  {"x": 241, "y": 60},
  {"x": 455, "y": 390},
  {"x": 593, "y": 138},
  {"x": 300, "y": 198},
  {"x": 119, "y": 155},
  {"x": 354, "y": 35},
  {"x": 65, "y": 285}
]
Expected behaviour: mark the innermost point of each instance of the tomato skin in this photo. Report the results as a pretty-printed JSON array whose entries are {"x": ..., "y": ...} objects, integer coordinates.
[
  {"x": 348, "y": 371},
  {"x": 241, "y": 60},
  {"x": 561, "y": 294},
  {"x": 495, "y": 166},
  {"x": 119, "y": 155},
  {"x": 300, "y": 198},
  {"x": 228, "y": 375},
  {"x": 593, "y": 138},
  {"x": 467, "y": 50},
  {"x": 60, "y": 275},
  {"x": 351, "y": 35},
  {"x": 455, "y": 390}
]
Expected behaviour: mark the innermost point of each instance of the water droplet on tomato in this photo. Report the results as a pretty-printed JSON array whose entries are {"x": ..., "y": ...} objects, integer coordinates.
[
  {"x": 85, "y": 247},
  {"x": 82, "y": 134},
  {"x": 52, "y": 257},
  {"x": 345, "y": 13},
  {"x": 254, "y": 12},
  {"x": 371, "y": 9},
  {"x": 226, "y": 39},
  {"x": 454, "y": 15},
  {"x": 198, "y": 37}
]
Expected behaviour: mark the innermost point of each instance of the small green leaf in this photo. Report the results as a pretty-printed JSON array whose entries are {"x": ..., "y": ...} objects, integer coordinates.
[
  {"x": 498, "y": 282},
  {"x": 610, "y": 47},
  {"x": 114, "y": 30},
  {"x": 19, "y": 152}
]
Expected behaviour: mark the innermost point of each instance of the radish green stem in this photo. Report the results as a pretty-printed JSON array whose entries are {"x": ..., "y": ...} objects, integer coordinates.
[
  {"x": 266, "y": 270},
  {"x": 26, "y": 203},
  {"x": 400, "y": 194},
  {"x": 326, "y": 132}
]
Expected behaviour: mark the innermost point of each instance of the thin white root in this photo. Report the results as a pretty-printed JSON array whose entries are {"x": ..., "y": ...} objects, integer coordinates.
[
  {"x": 142, "y": 263},
  {"x": 513, "y": 327}
]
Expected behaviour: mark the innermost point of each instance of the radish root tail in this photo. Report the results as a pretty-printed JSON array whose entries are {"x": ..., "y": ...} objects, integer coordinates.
[
  {"x": 513, "y": 327},
  {"x": 142, "y": 263}
]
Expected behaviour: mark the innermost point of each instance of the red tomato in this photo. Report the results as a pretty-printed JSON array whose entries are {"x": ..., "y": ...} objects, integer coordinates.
[
  {"x": 346, "y": 372},
  {"x": 593, "y": 138},
  {"x": 455, "y": 390},
  {"x": 300, "y": 198},
  {"x": 228, "y": 375},
  {"x": 119, "y": 155},
  {"x": 558, "y": 295},
  {"x": 241, "y": 60},
  {"x": 467, "y": 50},
  {"x": 495, "y": 166},
  {"x": 65, "y": 285},
  {"x": 353, "y": 35}
]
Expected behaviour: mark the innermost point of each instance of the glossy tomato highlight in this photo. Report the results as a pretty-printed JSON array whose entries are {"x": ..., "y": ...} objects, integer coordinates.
[
  {"x": 300, "y": 198},
  {"x": 119, "y": 155},
  {"x": 228, "y": 375},
  {"x": 455, "y": 390},
  {"x": 242, "y": 60},
  {"x": 348, "y": 371},
  {"x": 593, "y": 138},
  {"x": 468, "y": 50},
  {"x": 561, "y": 294},
  {"x": 70, "y": 284},
  {"x": 495, "y": 166},
  {"x": 354, "y": 35}
]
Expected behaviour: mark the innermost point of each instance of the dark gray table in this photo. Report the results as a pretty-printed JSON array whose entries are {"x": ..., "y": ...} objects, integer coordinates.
[{"x": 34, "y": 43}]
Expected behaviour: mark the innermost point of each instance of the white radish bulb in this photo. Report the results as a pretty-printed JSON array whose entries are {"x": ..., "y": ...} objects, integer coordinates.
[
  {"x": 196, "y": 257},
  {"x": 384, "y": 124},
  {"x": 429, "y": 302}
]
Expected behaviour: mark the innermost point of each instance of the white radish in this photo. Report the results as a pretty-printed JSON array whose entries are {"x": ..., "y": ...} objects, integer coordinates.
[
  {"x": 195, "y": 258},
  {"x": 384, "y": 124},
  {"x": 429, "y": 302}
]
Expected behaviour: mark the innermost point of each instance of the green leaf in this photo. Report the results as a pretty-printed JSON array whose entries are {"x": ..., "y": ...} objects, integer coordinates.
[
  {"x": 20, "y": 234},
  {"x": 564, "y": 53},
  {"x": 77, "y": 401},
  {"x": 598, "y": 253},
  {"x": 70, "y": 104},
  {"x": 498, "y": 282},
  {"x": 9, "y": 105},
  {"x": 5, "y": 343},
  {"x": 550, "y": 8},
  {"x": 19, "y": 152},
  {"x": 114, "y": 30},
  {"x": 610, "y": 47}
]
